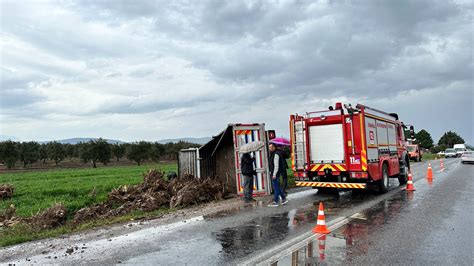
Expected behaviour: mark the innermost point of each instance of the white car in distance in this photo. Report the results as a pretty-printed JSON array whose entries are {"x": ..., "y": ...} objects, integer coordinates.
[
  {"x": 450, "y": 153},
  {"x": 467, "y": 157}
]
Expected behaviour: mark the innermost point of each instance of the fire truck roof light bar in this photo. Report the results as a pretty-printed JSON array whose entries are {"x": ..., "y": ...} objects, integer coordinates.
[
  {"x": 383, "y": 114},
  {"x": 322, "y": 113}
]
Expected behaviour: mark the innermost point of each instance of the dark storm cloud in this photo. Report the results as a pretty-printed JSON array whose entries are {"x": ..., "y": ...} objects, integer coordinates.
[
  {"x": 353, "y": 43},
  {"x": 238, "y": 53},
  {"x": 141, "y": 105},
  {"x": 347, "y": 47}
]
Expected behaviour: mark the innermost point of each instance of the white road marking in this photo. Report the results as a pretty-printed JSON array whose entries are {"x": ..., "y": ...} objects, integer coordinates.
[{"x": 285, "y": 249}]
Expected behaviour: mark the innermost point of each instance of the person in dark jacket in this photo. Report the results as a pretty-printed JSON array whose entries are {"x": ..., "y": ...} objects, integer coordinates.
[
  {"x": 277, "y": 167},
  {"x": 247, "y": 169},
  {"x": 284, "y": 173}
]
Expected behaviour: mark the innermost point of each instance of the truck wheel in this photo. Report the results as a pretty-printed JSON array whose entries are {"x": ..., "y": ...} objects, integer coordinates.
[
  {"x": 384, "y": 183},
  {"x": 403, "y": 177}
]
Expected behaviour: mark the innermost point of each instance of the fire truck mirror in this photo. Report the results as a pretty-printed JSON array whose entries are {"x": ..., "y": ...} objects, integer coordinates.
[{"x": 412, "y": 132}]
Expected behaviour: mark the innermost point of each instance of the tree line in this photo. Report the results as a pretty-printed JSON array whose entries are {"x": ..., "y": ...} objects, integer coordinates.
[
  {"x": 94, "y": 151},
  {"x": 424, "y": 139}
]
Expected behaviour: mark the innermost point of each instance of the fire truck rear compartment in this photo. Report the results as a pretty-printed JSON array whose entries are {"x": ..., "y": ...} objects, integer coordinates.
[{"x": 326, "y": 143}]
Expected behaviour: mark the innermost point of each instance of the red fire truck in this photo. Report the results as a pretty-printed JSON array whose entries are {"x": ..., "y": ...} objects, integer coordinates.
[{"x": 348, "y": 147}]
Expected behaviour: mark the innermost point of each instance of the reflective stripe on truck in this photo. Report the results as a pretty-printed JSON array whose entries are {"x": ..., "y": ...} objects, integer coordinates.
[
  {"x": 331, "y": 185},
  {"x": 333, "y": 167}
]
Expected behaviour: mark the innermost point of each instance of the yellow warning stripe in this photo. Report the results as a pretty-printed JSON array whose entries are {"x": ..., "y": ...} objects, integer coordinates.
[
  {"x": 363, "y": 159},
  {"x": 331, "y": 185},
  {"x": 362, "y": 132},
  {"x": 363, "y": 153},
  {"x": 333, "y": 167}
]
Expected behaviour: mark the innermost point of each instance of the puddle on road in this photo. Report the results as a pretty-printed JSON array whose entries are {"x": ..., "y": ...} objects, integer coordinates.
[
  {"x": 257, "y": 233},
  {"x": 264, "y": 231},
  {"x": 350, "y": 240}
]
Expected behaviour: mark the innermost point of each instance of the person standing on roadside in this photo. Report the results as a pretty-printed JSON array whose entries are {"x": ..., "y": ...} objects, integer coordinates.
[
  {"x": 277, "y": 166},
  {"x": 246, "y": 167},
  {"x": 284, "y": 173}
]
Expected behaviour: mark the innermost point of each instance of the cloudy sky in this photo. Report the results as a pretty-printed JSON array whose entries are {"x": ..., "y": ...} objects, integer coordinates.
[{"x": 149, "y": 70}]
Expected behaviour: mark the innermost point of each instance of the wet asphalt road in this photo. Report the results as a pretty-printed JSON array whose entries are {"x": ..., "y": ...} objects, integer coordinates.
[{"x": 432, "y": 225}]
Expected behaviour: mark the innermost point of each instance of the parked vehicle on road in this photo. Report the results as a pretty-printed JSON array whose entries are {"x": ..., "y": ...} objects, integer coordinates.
[
  {"x": 467, "y": 157},
  {"x": 450, "y": 153},
  {"x": 348, "y": 147},
  {"x": 460, "y": 149},
  {"x": 414, "y": 152}
]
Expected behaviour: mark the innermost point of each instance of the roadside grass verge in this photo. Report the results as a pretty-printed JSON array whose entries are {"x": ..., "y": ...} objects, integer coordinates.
[
  {"x": 291, "y": 179},
  {"x": 429, "y": 156},
  {"x": 75, "y": 188},
  {"x": 24, "y": 233}
]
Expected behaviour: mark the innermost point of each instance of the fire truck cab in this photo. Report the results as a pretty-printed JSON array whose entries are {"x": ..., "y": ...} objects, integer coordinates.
[{"x": 348, "y": 148}]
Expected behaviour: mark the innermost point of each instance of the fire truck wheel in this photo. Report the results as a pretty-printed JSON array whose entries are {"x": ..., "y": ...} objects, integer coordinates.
[
  {"x": 384, "y": 182},
  {"x": 403, "y": 177}
]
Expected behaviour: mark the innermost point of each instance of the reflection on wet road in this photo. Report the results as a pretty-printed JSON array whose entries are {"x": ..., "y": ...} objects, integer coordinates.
[
  {"x": 244, "y": 239},
  {"x": 433, "y": 224},
  {"x": 351, "y": 238},
  {"x": 261, "y": 232}
]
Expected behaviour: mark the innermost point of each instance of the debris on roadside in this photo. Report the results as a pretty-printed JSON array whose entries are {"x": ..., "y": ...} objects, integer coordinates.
[
  {"x": 8, "y": 218},
  {"x": 6, "y": 191},
  {"x": 197, "y": 192},
  {"x": 69, "y": 251},
  {"x": 153, "y": 193},
  {"x": 49, "y": 218}
]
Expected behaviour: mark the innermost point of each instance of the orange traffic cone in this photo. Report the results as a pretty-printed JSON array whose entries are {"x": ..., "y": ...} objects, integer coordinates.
[
  {"x": 441, "y": 165},
  {"x": 429, "y": 172},
  {"x": 410, "y": 186},
  {"x": 320, "y": 227},
  {"x": 322, "y": 247}
]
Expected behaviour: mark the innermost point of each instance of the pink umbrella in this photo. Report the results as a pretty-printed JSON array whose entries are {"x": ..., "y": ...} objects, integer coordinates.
[{"x": 280, "y": 141}]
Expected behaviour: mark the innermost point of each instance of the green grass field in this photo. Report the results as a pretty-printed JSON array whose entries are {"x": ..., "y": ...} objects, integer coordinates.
[
  {"x": 428, "y": 156},
  {"x": 36, "y": 191},
  {"x": 39, "y": 190}
]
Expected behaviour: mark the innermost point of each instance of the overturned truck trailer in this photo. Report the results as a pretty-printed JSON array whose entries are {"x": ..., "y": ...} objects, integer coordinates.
[{"x": 220, "y": 158}]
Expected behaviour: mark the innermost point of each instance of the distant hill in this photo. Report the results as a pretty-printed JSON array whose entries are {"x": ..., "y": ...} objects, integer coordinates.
[
  {"x": 192, "y": 140},
  {"x": 78, "y": 140},
  {"x": 113, "y": 141}
]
